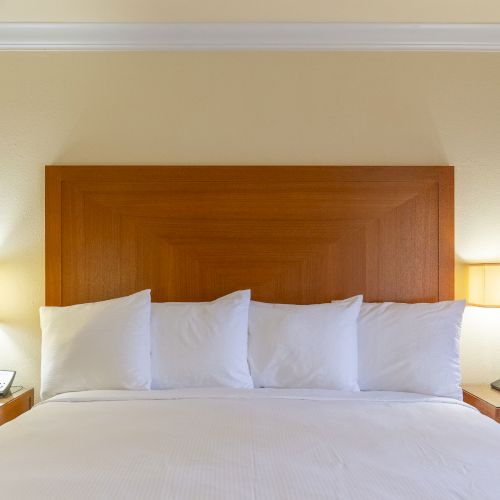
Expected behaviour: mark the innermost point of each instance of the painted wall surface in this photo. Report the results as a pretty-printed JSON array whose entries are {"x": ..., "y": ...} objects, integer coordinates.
[
  {"x": 464, "y": 11},
  {"x": 243, "y": 108}
]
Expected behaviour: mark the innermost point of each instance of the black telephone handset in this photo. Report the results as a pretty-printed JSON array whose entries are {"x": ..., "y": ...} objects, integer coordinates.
[{"x": 6, "y": 379}]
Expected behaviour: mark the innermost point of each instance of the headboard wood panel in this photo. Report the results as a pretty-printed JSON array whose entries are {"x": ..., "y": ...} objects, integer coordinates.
[{"x": 291, "y": 234}]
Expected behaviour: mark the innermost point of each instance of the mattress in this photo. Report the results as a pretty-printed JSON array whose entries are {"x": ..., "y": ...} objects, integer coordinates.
[{"x": 250, "y": 444}]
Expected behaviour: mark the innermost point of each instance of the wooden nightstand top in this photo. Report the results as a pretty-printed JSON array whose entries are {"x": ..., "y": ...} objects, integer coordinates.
[
  {"x": 11, "y": 397},
  {"x": 484, "y": 398},
  {"x": 15, "y": 404},
  {"x": 485, "y": 392}
]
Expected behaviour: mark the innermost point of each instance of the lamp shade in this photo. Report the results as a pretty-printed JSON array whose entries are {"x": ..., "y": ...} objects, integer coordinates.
[{"x": 484, "y": 285}]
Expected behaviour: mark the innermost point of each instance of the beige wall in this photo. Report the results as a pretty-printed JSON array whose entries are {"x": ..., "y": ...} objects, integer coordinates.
[
  {"x": 236, "y": 108},
  {"x": 471, "y": 11}
]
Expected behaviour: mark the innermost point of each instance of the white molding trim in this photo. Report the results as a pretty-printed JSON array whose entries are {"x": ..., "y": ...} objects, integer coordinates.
[{"x": 249, "y": 36}]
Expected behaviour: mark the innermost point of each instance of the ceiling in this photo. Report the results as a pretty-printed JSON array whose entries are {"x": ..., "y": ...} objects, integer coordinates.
[{"x": 427, "y": 11}]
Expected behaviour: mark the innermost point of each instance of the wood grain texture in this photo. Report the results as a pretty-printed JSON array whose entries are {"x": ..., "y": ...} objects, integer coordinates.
[
  {"x": 484, "y": 398},
  {"x": 16, "y": 404},
  {"x": 291, "y": 234}
]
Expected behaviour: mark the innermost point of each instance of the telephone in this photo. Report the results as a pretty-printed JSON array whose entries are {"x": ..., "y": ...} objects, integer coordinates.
[
  {"x": 6, "y": 379},
  {"x": 496, "y": 385}
]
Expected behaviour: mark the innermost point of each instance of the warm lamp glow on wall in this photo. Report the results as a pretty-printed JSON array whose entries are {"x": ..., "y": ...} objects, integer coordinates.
[{"x": 484, "y": 290}]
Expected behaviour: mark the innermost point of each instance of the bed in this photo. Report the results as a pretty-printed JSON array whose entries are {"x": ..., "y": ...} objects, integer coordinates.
[
  {"x": 297, "y": 235},
  {"x": 250, "y": 444}
]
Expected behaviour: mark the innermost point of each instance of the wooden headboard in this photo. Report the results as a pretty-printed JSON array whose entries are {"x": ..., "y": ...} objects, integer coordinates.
[{"x": 291, "y": 234}]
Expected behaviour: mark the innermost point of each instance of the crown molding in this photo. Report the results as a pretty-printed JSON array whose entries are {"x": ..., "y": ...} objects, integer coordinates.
[{"x": 249, "y": 36}]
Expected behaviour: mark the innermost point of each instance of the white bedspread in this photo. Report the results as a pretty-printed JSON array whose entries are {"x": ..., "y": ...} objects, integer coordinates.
[{"x": 249, "y": 444}]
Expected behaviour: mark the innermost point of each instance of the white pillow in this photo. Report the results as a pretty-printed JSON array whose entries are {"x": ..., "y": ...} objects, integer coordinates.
[
  {"x": 310, "y": 346},
  {"x": 410, "y": 347},
  {"x": 101, "y": 345},
  {"x": 201, "y": 344}
]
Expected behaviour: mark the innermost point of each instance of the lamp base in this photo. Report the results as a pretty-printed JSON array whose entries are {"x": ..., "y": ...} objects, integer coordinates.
[{"x": 496, "y": 385}]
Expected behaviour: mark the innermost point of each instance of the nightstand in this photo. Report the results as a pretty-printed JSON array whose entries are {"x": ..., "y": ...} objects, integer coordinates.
[
  {"x": 484, "y": 398},
  {"x": 15, "y": 404}
]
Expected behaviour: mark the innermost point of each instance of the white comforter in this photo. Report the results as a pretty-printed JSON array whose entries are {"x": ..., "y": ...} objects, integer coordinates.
[{"x": 249, "y": 444}]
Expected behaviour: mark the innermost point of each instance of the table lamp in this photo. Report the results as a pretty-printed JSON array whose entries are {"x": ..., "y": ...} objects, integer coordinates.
[{"x": 484, "y": 290}]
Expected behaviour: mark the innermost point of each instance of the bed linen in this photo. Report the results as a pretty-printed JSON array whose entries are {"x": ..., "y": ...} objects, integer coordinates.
[
  {"x": 304, "y": 346},
  {"x": 201, "y": 344},
  {"x": 411, "y": 347},
  {"x": 250, "y": 444}
]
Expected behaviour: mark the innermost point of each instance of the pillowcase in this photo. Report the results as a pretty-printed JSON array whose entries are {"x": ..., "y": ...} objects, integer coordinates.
[
  {"x": 410, "y": 347},
  {"x": 201, "y": 344},
  {"x": 304, "y": 346},
  {"x": 101, "y": 345}
]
